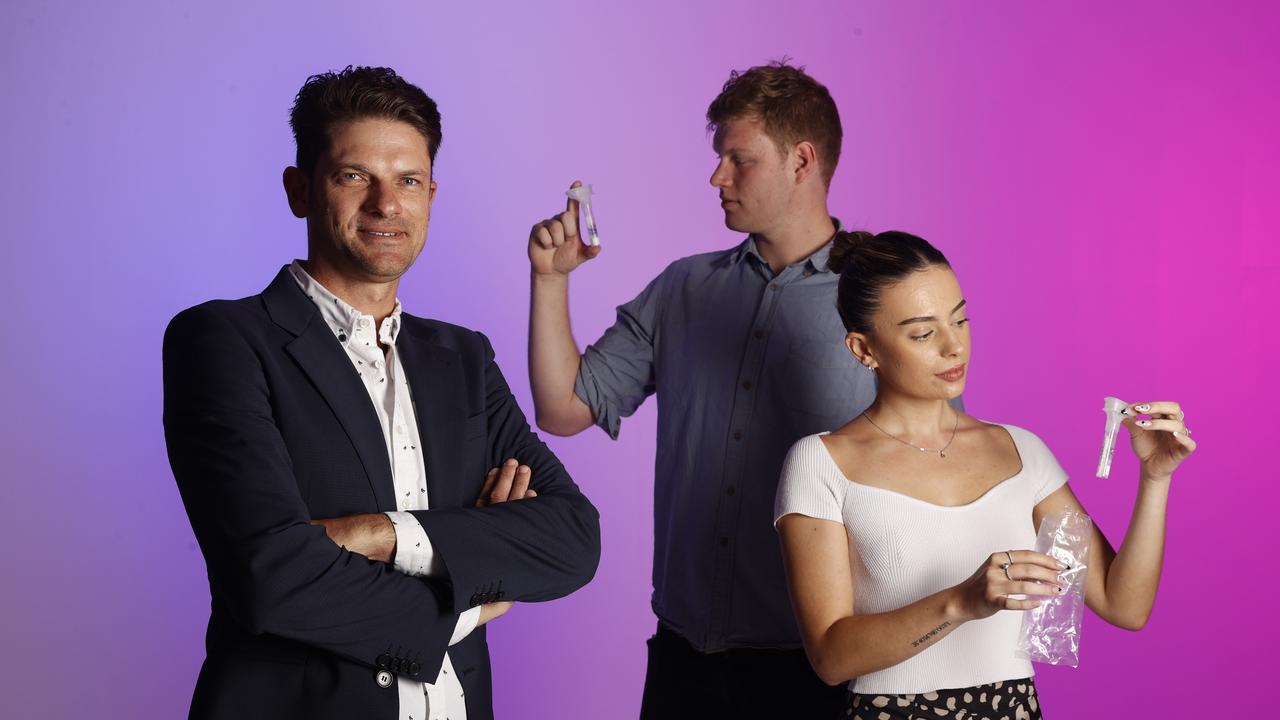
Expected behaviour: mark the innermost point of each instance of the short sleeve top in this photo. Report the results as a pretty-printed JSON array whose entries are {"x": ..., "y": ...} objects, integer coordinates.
[{"x": 903, "y": 549}]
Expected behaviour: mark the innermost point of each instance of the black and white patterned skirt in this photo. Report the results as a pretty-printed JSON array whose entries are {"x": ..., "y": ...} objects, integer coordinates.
[{"x": 1007, "y": 700}]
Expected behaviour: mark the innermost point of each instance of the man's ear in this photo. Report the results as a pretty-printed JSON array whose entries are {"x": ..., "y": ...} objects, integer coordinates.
[
  {"x": 297, "y": 186},
  {"x": 806, "y": 160}
]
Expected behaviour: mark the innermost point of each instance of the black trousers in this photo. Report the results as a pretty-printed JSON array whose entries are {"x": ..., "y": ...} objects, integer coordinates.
[{"x": 740, "y": 683}]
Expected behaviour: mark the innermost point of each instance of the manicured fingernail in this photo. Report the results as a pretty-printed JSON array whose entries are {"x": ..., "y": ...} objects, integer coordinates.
[
  {"x": 1143, "y": 408},
  {"x": 523, "y": 469}
]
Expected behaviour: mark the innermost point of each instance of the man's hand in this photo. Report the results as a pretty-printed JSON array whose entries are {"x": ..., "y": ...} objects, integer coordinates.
[
  {"x": 509, "y": 482},
  {"x": 493, "y": 611},
  {"x": 555, "y": 247},
  {"x": 371, "y": 535}
]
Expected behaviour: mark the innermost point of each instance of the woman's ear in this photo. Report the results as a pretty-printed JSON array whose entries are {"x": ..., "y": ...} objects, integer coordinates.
[{"x": 858, "y": 345}]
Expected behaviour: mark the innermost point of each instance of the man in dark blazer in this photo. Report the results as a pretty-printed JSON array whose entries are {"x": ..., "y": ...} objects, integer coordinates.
[{"x": 352, "y": 560}]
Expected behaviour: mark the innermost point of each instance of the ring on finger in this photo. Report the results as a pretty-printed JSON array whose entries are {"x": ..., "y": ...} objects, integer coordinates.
[{"x": 1005, "y": 567}]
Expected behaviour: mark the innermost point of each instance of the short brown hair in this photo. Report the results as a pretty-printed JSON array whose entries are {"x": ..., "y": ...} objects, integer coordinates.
[
  {"x": 330, "y": 99},
  {"x": 791, "y": 104}
]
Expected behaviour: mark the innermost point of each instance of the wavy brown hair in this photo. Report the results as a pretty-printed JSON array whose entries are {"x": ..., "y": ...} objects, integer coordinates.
[{"x": 791, "y": 104}]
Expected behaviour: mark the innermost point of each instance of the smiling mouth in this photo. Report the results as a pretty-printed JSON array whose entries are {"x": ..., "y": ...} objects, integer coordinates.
[{"x": 380, "y": 233}]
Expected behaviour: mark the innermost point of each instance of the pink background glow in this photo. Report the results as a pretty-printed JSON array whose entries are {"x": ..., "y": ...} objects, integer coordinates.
[{"x": 1103, "y": 176}]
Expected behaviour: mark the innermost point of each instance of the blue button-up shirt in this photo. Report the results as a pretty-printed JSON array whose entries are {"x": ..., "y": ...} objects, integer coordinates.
[{"x": 744, "y": 362}]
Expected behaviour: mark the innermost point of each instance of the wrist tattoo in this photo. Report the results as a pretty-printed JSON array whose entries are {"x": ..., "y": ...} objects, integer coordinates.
[{"x": 930, "y": 635}]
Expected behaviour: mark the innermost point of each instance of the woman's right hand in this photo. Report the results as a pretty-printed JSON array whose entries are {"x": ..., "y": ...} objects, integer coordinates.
[{"x": 1017, "y": 572}]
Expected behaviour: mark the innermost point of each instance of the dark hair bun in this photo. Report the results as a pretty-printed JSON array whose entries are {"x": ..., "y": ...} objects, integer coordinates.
[
  {"x": 868, "y": 263},
  {"x": 844, "y": 247}
]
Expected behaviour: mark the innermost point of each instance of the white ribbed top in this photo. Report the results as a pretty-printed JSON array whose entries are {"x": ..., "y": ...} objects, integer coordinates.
[{"x": 902, "y": 549}]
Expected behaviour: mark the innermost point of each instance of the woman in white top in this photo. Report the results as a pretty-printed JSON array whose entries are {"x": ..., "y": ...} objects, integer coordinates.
[{"x": 905, "y": 532}]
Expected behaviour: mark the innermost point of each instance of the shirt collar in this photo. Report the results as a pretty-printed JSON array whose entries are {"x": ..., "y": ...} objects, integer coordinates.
[
  {"x": 816, "y": 262},
  {"x": 343, "y": 319}
]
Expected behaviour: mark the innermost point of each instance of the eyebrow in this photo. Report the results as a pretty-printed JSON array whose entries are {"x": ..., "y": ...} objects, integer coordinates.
[
  {"x": 367, "y": 171},
  {"x": 928, "y": 318}
]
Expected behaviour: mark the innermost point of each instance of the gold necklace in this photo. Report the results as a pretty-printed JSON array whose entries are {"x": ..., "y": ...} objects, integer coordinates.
[{"x": 942, "y": 452}]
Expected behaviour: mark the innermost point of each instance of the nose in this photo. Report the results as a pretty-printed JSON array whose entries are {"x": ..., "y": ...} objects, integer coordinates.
[
  {"x": 953, "y": 343},
  {"x": 720, "y": 176},
  {"x": 382, "y": 200}
]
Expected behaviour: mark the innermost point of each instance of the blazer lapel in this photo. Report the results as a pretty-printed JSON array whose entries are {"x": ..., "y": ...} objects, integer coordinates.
[
  {"x": 438, "y": 387},
  {"x": 322, "y": 358}
]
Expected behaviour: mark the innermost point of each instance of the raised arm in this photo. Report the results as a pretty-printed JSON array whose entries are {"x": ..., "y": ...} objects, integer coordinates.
[
  {"x": 555, "y": 250},
  {"x": 1121, "y": 587},
  {"x": 271, "y": 569}
]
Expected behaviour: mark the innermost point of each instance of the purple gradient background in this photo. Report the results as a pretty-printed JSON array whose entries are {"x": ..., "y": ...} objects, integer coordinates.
[{"x": 1104, "y": 177}]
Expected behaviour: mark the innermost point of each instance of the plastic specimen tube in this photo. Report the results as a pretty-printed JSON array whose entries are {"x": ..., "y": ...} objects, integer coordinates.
[
  {"x": 1114, "y": 408},
  {"x": 582, "y": 194}
]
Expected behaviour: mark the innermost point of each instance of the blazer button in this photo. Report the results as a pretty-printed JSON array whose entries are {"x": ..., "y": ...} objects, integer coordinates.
[
  {"x": 383, "y": 661},
  {"x": 395, "y": 665},
  {"x": 414, "y": 667},
  {"x": 383, "y": 678}
]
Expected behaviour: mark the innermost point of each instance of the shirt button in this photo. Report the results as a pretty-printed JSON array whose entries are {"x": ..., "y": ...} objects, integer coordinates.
[
  {"x": 746, "y": 384},
  {"x": 759, "y": 334},
  {"x": 724, "y": 542},
  {"x": 774, "y": 286},
  {"x": 737, "y": 435},
  {"x": 364, "y": 322},
  {"x": 730, "y": 491}
]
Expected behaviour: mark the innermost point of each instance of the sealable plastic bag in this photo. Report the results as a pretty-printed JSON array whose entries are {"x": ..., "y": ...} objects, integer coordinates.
[{"x": 1051, "y": 632}]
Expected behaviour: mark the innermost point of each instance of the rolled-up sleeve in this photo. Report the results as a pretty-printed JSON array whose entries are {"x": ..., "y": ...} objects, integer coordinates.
[{"x": 616, "y": 372}]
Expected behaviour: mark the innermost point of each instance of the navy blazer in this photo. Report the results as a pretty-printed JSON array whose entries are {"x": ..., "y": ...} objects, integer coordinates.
[{"x": 268, "y": 425}]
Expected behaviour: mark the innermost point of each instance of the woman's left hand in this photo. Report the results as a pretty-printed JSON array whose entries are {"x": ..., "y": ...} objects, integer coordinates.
[{"x": 1162, "y": 442}]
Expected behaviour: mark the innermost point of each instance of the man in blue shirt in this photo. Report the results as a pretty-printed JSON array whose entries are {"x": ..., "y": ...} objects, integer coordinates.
[{"x": 743, "y": 348}]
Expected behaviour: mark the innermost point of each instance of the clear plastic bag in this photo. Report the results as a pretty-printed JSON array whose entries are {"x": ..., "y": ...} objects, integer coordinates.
[{"x": 1051, "y": 632}]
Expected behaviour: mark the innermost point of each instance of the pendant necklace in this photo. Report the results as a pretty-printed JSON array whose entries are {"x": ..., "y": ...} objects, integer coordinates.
[{"x": 942, "y": 452}]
